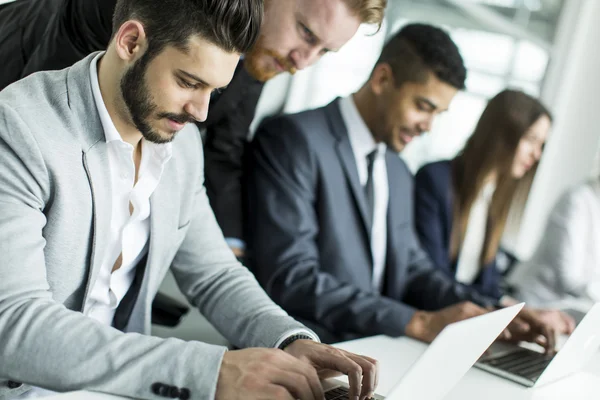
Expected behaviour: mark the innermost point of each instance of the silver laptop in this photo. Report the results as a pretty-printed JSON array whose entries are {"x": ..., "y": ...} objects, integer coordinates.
[
  {"x": 532, "y": 368},
  {"x": 444, "y": 362}
]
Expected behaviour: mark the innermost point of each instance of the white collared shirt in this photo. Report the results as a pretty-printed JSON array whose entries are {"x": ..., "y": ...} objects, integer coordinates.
[
  {"x": 129, "y": 233},
  {"x": 363, "y": 143},
  {"x": 469, "y": 258}
]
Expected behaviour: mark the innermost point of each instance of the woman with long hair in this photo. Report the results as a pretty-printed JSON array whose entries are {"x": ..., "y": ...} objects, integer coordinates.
[{"x": 462, "y": 205}]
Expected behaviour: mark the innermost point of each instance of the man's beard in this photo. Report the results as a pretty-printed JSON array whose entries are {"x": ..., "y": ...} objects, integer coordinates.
[
  {"x": 261, "y": 69},
  {"x": 139, "y": 103}
]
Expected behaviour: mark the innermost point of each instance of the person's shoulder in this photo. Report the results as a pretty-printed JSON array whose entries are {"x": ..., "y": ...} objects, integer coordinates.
[
  {"x": 434, "y": 176},
  {"x": 440, "y": 169},
  {"x": 306, "y": 128},
  {"x": 579, "y": 197},
  {"x": 36, "y": 103},
  {"x": 39, "y": 92}
]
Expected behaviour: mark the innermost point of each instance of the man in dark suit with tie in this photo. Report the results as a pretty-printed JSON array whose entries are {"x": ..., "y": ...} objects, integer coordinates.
[
  {"x": 332, "y": 237},
  {"x": 38, "y": 35}
]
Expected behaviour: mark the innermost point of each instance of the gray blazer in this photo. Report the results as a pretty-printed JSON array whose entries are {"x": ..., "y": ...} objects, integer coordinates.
[
  {"x": 54, "y": 224},
  {"x": 310, "y": 240}
]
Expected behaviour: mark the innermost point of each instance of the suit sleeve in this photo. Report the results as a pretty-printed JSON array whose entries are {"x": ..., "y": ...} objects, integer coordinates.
[
  {"x": 78, "y": 28},
  {"x": 284, "y": 229}
]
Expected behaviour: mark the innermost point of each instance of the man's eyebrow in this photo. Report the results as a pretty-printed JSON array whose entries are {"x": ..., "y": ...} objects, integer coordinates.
[
  {"x": 194, "y": 77},
  {"x": 300, "y": 18},
  {"x": 432, "y": 105}
]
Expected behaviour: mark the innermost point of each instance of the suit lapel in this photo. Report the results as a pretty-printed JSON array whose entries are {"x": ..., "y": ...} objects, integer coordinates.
[
  {"x": 346, "y": 156},
  {"x": 96, "y": 166},
  {"x": 85, "y": 123}
]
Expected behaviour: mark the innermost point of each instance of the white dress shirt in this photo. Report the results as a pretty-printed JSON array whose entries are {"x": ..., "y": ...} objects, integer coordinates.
[
  {"x": 363, "y": 143},
  {"x": 469, "y": 258},
  {"x": 130, "y": 233}
]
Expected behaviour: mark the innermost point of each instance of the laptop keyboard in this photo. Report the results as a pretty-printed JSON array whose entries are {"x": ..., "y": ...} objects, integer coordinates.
[
  {"x": 523, "y": 362},
  {"x": 339, "y": 393}
]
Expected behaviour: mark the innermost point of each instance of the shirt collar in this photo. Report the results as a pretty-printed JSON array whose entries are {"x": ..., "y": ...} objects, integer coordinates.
[
  {"x": 110, "y": 131},
  {"x": 361, "y": 138}
]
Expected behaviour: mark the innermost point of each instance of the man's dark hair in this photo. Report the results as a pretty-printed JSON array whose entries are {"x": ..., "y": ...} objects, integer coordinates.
[
  {"x": 419, "y": 49},
  {"x": 233, "y": 25}
]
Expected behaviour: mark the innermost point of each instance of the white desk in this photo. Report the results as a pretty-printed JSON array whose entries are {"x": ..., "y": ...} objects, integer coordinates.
[{"x": 397, "y": 355}]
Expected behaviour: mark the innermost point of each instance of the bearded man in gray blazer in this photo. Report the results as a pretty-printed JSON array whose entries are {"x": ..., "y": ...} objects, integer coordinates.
[{"x": 101, "y": 191}]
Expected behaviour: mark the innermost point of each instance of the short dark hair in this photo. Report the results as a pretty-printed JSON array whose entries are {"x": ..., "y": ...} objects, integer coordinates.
[
  {"x": 233, "y": 25},
  {"x": 418, "y": 49}
]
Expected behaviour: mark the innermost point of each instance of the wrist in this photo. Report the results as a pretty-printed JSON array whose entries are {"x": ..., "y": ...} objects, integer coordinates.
[
  {"x": 418, "y": 326},
  {"x": 292, "y": 339}
]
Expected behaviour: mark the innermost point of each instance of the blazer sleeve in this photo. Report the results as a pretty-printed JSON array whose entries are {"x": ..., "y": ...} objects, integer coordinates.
[
  {"x": 225, "y": 292},
  {"x": 78, "y": 28},
  {"x": 430, "y": 214},
  {"x": 284, "y": 229}
]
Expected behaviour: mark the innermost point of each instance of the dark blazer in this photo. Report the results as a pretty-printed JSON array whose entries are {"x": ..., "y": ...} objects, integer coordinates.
[
  {"x": 434, "y": 204},
  {"x": 40, "y": 35},
  {"x": 309, "y": 242},
  {"x": 226, "y": 140}
]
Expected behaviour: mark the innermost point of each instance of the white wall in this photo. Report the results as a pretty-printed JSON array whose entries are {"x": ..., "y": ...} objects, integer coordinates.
[{"x": 572, "y": 91}]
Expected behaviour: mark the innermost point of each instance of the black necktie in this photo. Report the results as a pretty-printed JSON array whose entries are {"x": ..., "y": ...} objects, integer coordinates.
[
  {"x": 125, "y": 307},
  {"x": 369, "y": 187}
]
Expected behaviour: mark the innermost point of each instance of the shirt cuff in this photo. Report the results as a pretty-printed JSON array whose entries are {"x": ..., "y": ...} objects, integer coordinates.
[
  {"x": 236, "y": 243},
  {"x": 293, "y": 332}
]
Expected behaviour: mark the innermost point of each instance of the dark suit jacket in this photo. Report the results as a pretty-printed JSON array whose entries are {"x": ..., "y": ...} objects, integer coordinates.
[
  {"x": 434, "y": 204},
  {"x": 40, "y": 35},
  {"x": 310, "y": 247},
  {"x": 226, "y": 142}
]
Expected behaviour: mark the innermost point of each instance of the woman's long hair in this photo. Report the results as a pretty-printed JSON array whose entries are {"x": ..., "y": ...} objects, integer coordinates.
[{"x": 491, "y": 149}]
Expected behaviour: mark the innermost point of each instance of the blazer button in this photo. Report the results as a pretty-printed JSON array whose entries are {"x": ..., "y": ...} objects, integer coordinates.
[
  {"x": 173, "y": 392},
  {"x": 157, "y": 388},
  {"x": 184, "y": 394},
  {"x": 14, "y": 385}
]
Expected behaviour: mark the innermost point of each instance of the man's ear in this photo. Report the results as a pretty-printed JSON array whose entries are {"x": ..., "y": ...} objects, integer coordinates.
[
  {"x": 382, "y": 78},
  {"x": 130, "y": 41}
]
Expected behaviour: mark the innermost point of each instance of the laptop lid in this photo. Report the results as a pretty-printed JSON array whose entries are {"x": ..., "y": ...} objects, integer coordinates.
[
  {"x": 577, "y": 350},
  {"x": 451, "y": 355}
]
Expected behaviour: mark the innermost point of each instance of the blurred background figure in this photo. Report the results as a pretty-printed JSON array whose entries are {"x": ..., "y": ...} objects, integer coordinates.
[
  {"x": 462, "y": 205},
  {"x": 566, "y": 264}
]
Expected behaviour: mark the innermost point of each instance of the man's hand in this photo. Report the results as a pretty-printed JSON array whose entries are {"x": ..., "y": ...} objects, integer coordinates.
[
  {"x": 328, "y": 361},
  {"x": 425, "y": 326},
  {"x": 541, "y": 327},
  {"x": 266, "y": 374}
]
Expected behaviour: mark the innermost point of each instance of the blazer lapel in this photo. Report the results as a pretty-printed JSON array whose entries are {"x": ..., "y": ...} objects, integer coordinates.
[
  {"x": 86, "y": 124},
  {"x": 96, "y": 165},
  {"x": 346, "y": 156}
]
